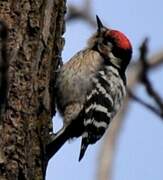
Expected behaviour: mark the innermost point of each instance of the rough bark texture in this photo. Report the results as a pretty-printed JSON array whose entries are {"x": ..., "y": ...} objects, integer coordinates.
[{"x": 34, "y": 46}]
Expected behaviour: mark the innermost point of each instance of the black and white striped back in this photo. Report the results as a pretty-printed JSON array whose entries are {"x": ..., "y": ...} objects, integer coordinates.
[{"x": 102, "y": 103}]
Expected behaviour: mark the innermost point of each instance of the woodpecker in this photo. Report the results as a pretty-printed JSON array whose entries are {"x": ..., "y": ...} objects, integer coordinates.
[{"x": 91, "y": 86}]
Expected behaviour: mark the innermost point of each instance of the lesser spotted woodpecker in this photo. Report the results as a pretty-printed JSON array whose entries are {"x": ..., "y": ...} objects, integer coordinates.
[{"x": 91, "y": 87}]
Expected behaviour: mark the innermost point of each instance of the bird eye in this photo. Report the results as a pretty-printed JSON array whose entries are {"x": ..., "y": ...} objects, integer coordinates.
[
  {"x": 109, "y": 43},
  {"x": 108, "y": 40}
]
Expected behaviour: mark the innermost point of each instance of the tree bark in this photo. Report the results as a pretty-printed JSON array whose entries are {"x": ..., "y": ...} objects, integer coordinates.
[{"x": 34, "y": 48}]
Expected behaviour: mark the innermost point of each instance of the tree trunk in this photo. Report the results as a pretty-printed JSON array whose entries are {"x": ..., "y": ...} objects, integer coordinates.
[{"x": 34, "y": 47}]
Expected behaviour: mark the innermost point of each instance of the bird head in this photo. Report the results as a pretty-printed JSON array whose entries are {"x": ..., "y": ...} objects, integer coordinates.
[{"x": 112, "y": 44}]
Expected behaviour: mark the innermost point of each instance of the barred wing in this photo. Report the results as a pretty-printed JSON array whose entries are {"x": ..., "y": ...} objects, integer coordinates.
[{"x": 99, "y": 110}]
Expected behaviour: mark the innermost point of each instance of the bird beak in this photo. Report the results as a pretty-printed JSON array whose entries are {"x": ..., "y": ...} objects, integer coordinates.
[{"x": 99, "y": 24}]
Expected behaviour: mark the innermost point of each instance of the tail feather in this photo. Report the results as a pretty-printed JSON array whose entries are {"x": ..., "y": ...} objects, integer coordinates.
[
  {"x": 57, "y": 143},
  {"x": 83, "y": 149},
  {"x": 75, "y": 129}
]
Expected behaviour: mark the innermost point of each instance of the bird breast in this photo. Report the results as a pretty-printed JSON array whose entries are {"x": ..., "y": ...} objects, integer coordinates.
[{"x": 74, "y": 78}]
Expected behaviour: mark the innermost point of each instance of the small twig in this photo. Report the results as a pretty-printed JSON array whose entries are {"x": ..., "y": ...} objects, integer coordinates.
[
  {"x": 106, "y": 157},
  {"x": 148, "y": 106},
  {"x": 144, "y": 75},
  {"x": 81, "y": 13}
]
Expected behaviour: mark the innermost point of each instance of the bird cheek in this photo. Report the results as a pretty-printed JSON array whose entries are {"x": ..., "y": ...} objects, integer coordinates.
[{"x": 105, "y": 50}]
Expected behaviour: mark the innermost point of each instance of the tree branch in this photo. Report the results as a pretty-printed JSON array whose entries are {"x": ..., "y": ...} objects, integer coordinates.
[
  {"x": 144, "y": 75},
  {"x": 83, "y": 13},
  {"x": 148, "y": 106},
  {"x": 104, "y": 169}
]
